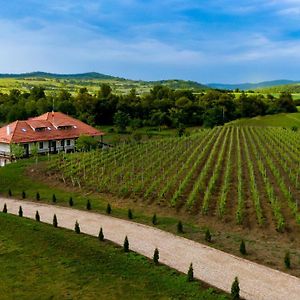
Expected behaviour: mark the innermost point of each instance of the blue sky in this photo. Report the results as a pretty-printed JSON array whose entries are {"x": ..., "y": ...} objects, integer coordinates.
[{"x": 207, "y": 41}]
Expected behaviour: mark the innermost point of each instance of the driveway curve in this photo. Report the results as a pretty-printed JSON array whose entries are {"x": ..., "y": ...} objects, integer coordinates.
[{"x": 210, "y": 265}]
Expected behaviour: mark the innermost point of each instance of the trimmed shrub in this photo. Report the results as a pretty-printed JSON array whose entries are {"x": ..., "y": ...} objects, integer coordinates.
[
  {"x": 9, "y": 193},
  {"x": 77, "y": 227},
  {"x": 179, "y": 227},
  {"x": 287, "y": 260},
  {"x": 235, "y": 289},
  {"x": 38, "y": 197},
  {"x": 37, "y": 216},
  {"x": 126, "y": 244},
  {"x": 88, "y": 205},
  {"x": 23, "y": 195},
  {"x": 156, "y": 256},
  {"x": 20, "y": 211},
  {"x": 101, "y": 235},
  {"x": 71, "y": 203},
  {"x": 243, "y": 248},
  {"x": 190, "y": 273},
  {"x": 108, "y": 209},
  {"x": 54, "y": 198},
  {"x": 4, "y": 208},
  {"x": 55, "y": 224},
  {"x": 207, "y": 235},
  {"x": 130, "y": 215},
  {"x": 154, "y": 219}
]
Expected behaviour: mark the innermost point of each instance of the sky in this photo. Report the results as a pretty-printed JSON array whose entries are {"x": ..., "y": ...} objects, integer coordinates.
[{"x": 202, "y": 40}]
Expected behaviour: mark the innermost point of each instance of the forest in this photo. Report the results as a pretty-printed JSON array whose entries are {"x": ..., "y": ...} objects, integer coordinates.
[{"x": 161, "y": 106}]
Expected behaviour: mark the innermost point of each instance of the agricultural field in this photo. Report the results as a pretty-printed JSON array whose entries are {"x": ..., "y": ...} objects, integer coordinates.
[
  {"x": 246, "y": 176},
  {"x": 287, "y": 120}
]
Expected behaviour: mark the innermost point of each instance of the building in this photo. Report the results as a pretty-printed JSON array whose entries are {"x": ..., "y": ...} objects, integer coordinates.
[{"x": 51, "y": 132}]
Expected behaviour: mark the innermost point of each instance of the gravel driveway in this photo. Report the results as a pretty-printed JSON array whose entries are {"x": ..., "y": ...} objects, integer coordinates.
[{"x": 210, "y": 265}]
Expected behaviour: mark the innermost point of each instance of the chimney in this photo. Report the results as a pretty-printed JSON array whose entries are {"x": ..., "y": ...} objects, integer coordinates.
[{"x": 8, "y": 132}]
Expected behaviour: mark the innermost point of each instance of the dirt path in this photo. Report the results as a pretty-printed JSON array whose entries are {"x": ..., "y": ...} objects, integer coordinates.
[{"x": 210, "y": 265}]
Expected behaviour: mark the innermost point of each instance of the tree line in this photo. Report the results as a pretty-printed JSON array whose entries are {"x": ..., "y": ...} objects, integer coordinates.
[{"x": 161, "y": 106}]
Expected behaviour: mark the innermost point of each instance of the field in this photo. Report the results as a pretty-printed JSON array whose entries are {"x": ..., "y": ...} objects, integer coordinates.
[
  {"x": 41, "y": 262},
  {"x": 287, "y": 120},
  {"x": 247, "y": 176}
]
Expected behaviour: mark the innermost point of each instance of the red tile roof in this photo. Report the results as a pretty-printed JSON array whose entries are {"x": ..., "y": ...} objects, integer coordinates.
[{"x": 46, "y": 127}]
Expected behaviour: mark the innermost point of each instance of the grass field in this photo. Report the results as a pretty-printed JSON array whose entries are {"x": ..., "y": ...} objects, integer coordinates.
[
  {"x": 287, "y": 120},
  {"x": 41, "y": 262}
]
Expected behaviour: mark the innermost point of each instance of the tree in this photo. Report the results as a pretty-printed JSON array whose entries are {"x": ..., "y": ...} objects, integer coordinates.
[
  {"x": 243, "y": 248},
  {"x": 156, "y": 256},
  {"x": 71, "y": 203},
  {"x": 154, "y": 219},
  {"x": 235, "y": 289},
  {"x": 9, "y": 193},
  {"x": 207, "y": 235},
  {"x": 179, "y": 227},
  {"x": 121, "y": 120},
  {"x": 101, "y": 235},
  {"x": 77, "y": 227},
  {"x": 287, "y": 260},
  {"x": 23, "y": 195},
  {"x": 38, "y": 197},
  {"x": 37, "y": 216},
  {"x": 190, "y": 274},
  {"x": 4, "y": 208},
  {"x": 54, "y": 198},
  {"x": 35, "y": 152},
  {"x": 20, "y": 211},
  {"x": 130, "y": 215},
  {"x": 17, "y": 151},
  {"x": 126, "y": 244},
  {"x": 108, "y": 209},
  {"x": 88, "y": 205},
  {"x": 86, "y": 143},
  {"x": 55, "y": 224}
]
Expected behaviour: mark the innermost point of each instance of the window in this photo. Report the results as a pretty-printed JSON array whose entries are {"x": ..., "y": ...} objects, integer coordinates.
[
  {"x": 68, "y": 143},
  {"x": 41, "y": 145}
]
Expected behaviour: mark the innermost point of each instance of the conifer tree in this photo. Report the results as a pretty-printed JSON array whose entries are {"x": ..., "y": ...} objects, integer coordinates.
[
  {"x": 101, "y": 235},
  {"x": 179, "y": 227},
  {"x": 207, "y": 235},
  {"x": 37, "y": 216},
  {"x": 23, "y": 195},
  {"x": 130, "y": 215},
  {"x": 77, "y": 227},
  {"x": 154, "y": 219},
  {"x": 156, "y": 256},
  {"x": 235, "y": 289},
  {"x": 71, "y": 203},
  {"x": 38, "y": 197},
  {"x": 88, "y": 205},
  {"x": 55, "y": 224},
  {"x": 126, "y": 244},
  {"x": 190, "y": 274},
  {"x": 54, "y": 198},
  {"x": 287, "y": 260},
  {"x": 9, "y": 193},
  {"x": 20, "y": 211},
  {"x": 4, "y": 208},
  {"x": 243, "y": 248},
  {"x": 108, "y": 209}
]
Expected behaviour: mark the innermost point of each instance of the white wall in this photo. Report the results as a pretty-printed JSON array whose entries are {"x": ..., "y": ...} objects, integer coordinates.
[{"x": 5, "y": 148}]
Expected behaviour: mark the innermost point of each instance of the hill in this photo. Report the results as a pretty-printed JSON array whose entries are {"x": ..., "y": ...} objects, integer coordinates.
[{"x": 250, "y": 86}]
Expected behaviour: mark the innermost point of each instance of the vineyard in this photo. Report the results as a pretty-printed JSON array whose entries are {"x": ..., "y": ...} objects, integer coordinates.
[{"x": 241, "y": 175}]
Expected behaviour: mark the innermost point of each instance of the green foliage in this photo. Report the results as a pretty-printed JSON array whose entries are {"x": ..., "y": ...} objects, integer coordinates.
[
  {"x": 126, "y": 244},
  {"x": 37, "y": 216},
  {"x": 108, "y": 209},
  {"x": 101, "y": 235},
  {"x": 243, "y": 248},
  {"x": 54, "y": 198},
  {"x": 287, "y": 260},
  {"x": 23, "y": 195},
  {"x": 207, "y": 235},
  {"x": 4, "y": 208},
  {"x": 179, "y": 227},
  {"x": 88, "y": 205},
  {"x": 86, "y": 143},
  {"x": 17, "y": 150},
  {"x": 38, "y": 197},
  {"x": 121, "y": 120},
  {"x": 20, "y": 211},
  {"x": 235, "y": 289},
  {"x": 156, "y": 256},
  {"x": 154, "y": 219},
  {"x": 54, "y": 222},
  {"x": 71, "y": 202},
  {"x": 130, "y": 215},
  {"x": 190, "y": 273},
  {"x": 9, "y": 193},
  {"x": 77, "y": 227}
]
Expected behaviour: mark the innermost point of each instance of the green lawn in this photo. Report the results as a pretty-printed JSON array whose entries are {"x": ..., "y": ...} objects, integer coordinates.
[
  {"x": 41, "y": 262},
  {"x": 281, "y": 120}
]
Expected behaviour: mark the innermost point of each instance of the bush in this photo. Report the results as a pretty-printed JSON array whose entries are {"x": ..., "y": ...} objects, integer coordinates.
[
  {"x": 55, "y": 224},
  {"x": 4, "y": 208},
  {"x": 287, "y": 260},
  {"x": 130, "y": 216},
  {"x": 207, "y": 235},
  {"x": 154, "y": 219},
  {"x": 156, "y": 256},
  {"x": 20, "y": 211},
  {"x": 101, "y": 235},
  {"x": 38, "y": 197},
  {"x": 190, "y": 274},
  {"x": 126, "y": 244},
  {"x": 243, "y": 248},
  {"x": 9, "y": 193},
  {"x": 54, "y": 198},
  {"x": 88, "y": 205},
  {"x": 71, "y": 203},
  {"x": 108, "y": 209},
  {"x": 37, "y": 216},
  {"x": 23, "y": 195},
  {"x": 77, "y": 227},
  {"x": 235, "y": 289},
  {"x": 179, "y": 227}
]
